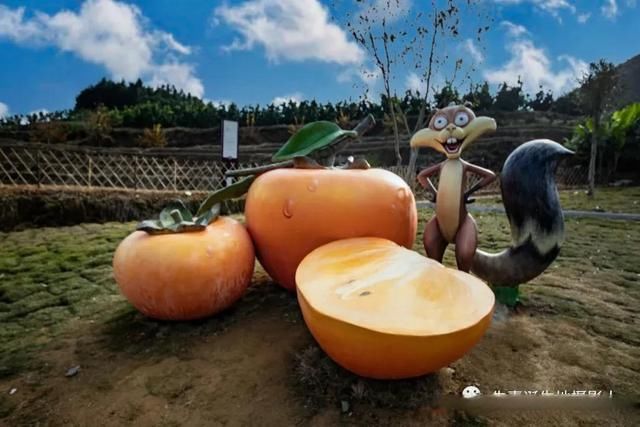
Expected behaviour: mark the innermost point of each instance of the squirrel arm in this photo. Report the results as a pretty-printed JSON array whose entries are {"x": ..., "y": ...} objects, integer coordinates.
[
  {"x": 423, "y": 178},
  {"x": 487, "y": 178}
]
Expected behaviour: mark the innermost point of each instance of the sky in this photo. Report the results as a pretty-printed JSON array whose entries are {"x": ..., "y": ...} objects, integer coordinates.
[{"x": 260, "y": 51}]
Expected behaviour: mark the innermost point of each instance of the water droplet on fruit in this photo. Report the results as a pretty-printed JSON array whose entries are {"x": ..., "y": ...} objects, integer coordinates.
[
  {"x": 313, "y": 185},
  {"x": 401, "y": 193},
  {"x": 393, "y": 206},
  {"x": 287, "y": 209}
]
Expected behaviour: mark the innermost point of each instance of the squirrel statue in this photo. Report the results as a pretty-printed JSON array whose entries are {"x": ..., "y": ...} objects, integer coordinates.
[{"x": 529, "y": 195}]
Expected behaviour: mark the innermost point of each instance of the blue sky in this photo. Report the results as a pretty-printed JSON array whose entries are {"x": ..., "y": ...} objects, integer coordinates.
[{"x": 257, "y": 51}]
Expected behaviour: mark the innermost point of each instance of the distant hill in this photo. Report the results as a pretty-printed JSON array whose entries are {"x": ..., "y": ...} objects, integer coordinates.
[{"x": 629, "y": 83}]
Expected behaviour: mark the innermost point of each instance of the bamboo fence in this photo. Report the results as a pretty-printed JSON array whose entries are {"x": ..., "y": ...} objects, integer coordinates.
[{"x": 68, "y": 166}]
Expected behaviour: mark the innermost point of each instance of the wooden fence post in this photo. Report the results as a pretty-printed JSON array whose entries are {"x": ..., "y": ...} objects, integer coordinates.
[
  {"x": 175, "y": 174},
  {"x": 38, "y": 168},
  {"x": 90, "y": 170},
  {"x": 136, "y": 171}
]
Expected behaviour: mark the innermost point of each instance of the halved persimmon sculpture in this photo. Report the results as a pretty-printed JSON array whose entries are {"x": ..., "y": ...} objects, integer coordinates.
[
  {"x": 383, "y": 311},
  {"x": 290, "y": 212},
  {"x": 182, "y": 267}
]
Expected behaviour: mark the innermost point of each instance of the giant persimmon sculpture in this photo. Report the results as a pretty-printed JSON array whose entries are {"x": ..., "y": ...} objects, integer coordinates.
[
  {"x": 290, "y": 212},
  {"x": 181, "y": 267},
  {"x": 383, "y": 311}
]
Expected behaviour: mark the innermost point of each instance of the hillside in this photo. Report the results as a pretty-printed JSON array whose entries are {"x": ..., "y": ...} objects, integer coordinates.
[{"x": 629, "y": 83}]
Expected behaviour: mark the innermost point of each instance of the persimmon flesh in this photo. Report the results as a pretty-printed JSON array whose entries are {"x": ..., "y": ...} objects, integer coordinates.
[
  {"x": 290, "y": 212},
  {"x": 185, "y": 276},
  {"x": 383, "y": 311}
]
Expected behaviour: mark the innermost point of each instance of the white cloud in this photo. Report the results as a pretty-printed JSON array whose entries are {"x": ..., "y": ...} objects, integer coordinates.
[
  {"x": 12, "y": 25},
  {"x": 180, "y": 75},
  {"x": 366, "y": 75},
  {"x": 583, "y": 17},
  {"x": 218, "y": 102},
  {"x": 473, "y": 51},
  {"x": 610, "y": 9},
  {"x": 295, "y": 30},
  {"x": 514, "y": 30},
  {"x": 109, "y": 33},
  {"x": 295, "y": 97},
  {"x": 4, "y": 110},
  {"x": 534, "y": 67},
  {"x": 552, "y": 7},
  {"x": 413, "y": 82}
]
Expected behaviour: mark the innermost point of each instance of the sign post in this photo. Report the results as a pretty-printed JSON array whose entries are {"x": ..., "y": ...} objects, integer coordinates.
[{"x": 229, "y": 145}]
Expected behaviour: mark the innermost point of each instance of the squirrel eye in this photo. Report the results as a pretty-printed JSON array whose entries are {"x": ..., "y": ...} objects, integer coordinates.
[
  {"x": 462, "y": 118},
  {"x": 440, "y": 122}
]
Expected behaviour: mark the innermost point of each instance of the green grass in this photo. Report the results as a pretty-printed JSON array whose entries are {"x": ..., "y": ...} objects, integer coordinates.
[
  {"x": 50, "y": 276},
  {"x": 606, "y": 199},
  {"x": 584, "y": 313}
]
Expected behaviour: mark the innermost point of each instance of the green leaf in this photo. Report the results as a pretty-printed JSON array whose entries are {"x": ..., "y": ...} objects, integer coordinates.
[
  {"x": 155, "y": 227},
  {"x": 166, "y": 216},
  {"x": 233, "y": 191},
  {"x": 209, "y": 216},
  {"x": 152, "y": 226},
  {"x": 312, "y": 137},
  {"x": 507, "y": 295}
]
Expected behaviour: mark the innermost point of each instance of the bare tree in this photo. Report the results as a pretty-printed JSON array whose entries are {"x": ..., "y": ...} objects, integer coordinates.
[
  {"x": 398, "y": 37},
  {"x": 434, "y": 32},
  {"x": 596, "y": 88},
  {"x": 380, "y": 29}
]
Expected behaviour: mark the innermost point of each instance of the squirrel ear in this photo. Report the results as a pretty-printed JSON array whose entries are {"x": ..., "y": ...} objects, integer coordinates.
[{"x": 468, "y": 104}]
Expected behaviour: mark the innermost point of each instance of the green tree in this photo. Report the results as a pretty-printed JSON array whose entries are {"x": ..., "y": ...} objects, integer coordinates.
[
  {"x": 568, "y": 103},
  {"x": 447, "y": 95},
  {"x": 510, "y": 98},
  {"x": 479, "y": 97},
  {"x": 622, "y": 128},
  {"x": 595, "y": 90},
  {"x": 542, "y": 101}
]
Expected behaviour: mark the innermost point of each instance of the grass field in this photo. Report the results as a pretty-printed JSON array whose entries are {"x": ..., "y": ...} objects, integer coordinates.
[
  {"x": 605, "y": 199},
  {"x": 256, "y": 364}
]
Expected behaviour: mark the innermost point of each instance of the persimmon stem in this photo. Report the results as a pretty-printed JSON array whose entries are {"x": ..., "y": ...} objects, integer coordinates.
[{"x": 176, "y": 215}]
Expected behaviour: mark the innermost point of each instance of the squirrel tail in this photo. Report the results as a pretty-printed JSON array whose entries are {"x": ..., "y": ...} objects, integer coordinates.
[{"x": 532, "y": 206}]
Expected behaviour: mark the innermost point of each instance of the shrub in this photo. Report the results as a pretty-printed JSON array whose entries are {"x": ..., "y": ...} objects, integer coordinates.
[{"x": 153, "y": 137}]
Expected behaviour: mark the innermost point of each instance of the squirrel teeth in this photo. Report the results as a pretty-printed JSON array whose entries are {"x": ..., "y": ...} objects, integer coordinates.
[{"x": 452, "y": 140}]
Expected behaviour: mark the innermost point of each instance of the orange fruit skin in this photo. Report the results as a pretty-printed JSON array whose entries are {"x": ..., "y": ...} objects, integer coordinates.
[
  {"x": 290, "y": 212},
  {"x": 379, "y": 355},
  {"x": 386, "y": 312},
  {"x": 185, "y": 276}
]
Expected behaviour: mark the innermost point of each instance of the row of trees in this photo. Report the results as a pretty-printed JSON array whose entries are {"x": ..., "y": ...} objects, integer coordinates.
[{"x": 139, "y": 106}]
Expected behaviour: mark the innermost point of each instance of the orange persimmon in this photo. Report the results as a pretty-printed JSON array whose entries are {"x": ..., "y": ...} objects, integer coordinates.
[
  {"x": 184, "y": 276},
  {"x": 384, "y": 311},
  {"x": 290, "y": 212}
]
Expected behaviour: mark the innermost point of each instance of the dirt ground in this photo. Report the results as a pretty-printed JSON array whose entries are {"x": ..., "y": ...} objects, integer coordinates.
[{"x": 256, "y": 364}]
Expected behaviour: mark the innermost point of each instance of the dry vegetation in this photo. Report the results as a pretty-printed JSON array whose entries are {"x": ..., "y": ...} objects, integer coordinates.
[{"x": 256, "y": 364}]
